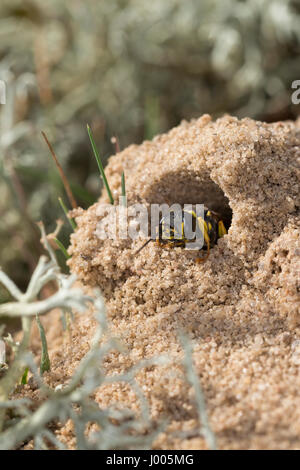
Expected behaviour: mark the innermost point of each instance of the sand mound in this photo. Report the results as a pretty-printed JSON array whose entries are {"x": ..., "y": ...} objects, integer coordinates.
[{"x": 240, "y": 307}]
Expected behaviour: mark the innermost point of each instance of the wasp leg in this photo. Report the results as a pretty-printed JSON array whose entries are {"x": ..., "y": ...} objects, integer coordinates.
[
  {"x": 201, "y": 260},
  {"x": 221, "y": 229}
]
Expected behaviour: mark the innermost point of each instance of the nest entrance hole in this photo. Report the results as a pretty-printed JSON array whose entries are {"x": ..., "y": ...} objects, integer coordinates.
[{"x": 184, "y": 188}]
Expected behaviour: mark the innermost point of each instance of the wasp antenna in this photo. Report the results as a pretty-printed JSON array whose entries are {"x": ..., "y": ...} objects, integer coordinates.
[{"x": 143, "y": 246}]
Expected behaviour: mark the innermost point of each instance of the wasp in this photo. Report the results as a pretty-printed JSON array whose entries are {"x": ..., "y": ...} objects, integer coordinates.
[{"x": 173, "y": 230}]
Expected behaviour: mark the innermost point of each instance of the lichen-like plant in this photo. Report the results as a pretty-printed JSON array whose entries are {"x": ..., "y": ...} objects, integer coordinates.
[
  {"x": 61, "y": 403},
  {"x": 113, "y": 428}
]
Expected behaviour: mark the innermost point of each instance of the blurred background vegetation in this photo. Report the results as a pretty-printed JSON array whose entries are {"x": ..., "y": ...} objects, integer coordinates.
[{"x": 131, "y": 69}]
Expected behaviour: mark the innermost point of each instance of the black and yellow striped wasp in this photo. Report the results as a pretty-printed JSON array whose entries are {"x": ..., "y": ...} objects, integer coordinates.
[{"x": 175, "y": 229}]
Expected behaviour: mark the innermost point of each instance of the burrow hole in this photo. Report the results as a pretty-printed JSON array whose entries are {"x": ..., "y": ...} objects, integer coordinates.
[{"x": 184, "y": 188}]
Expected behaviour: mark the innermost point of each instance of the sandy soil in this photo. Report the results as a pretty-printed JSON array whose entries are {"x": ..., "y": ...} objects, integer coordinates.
[{"x": 240, "y": 308}]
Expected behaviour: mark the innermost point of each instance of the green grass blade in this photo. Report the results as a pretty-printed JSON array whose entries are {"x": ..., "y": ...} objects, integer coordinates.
[
  {"x": 24, "y": 378},
  {"x": 62, "y": 248},
  {"x": 100, "y": 166},
  {"x": 45, "y": 360},
  {"x": 124, "y": 201},
  {"x": 64, "y": 208}
]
